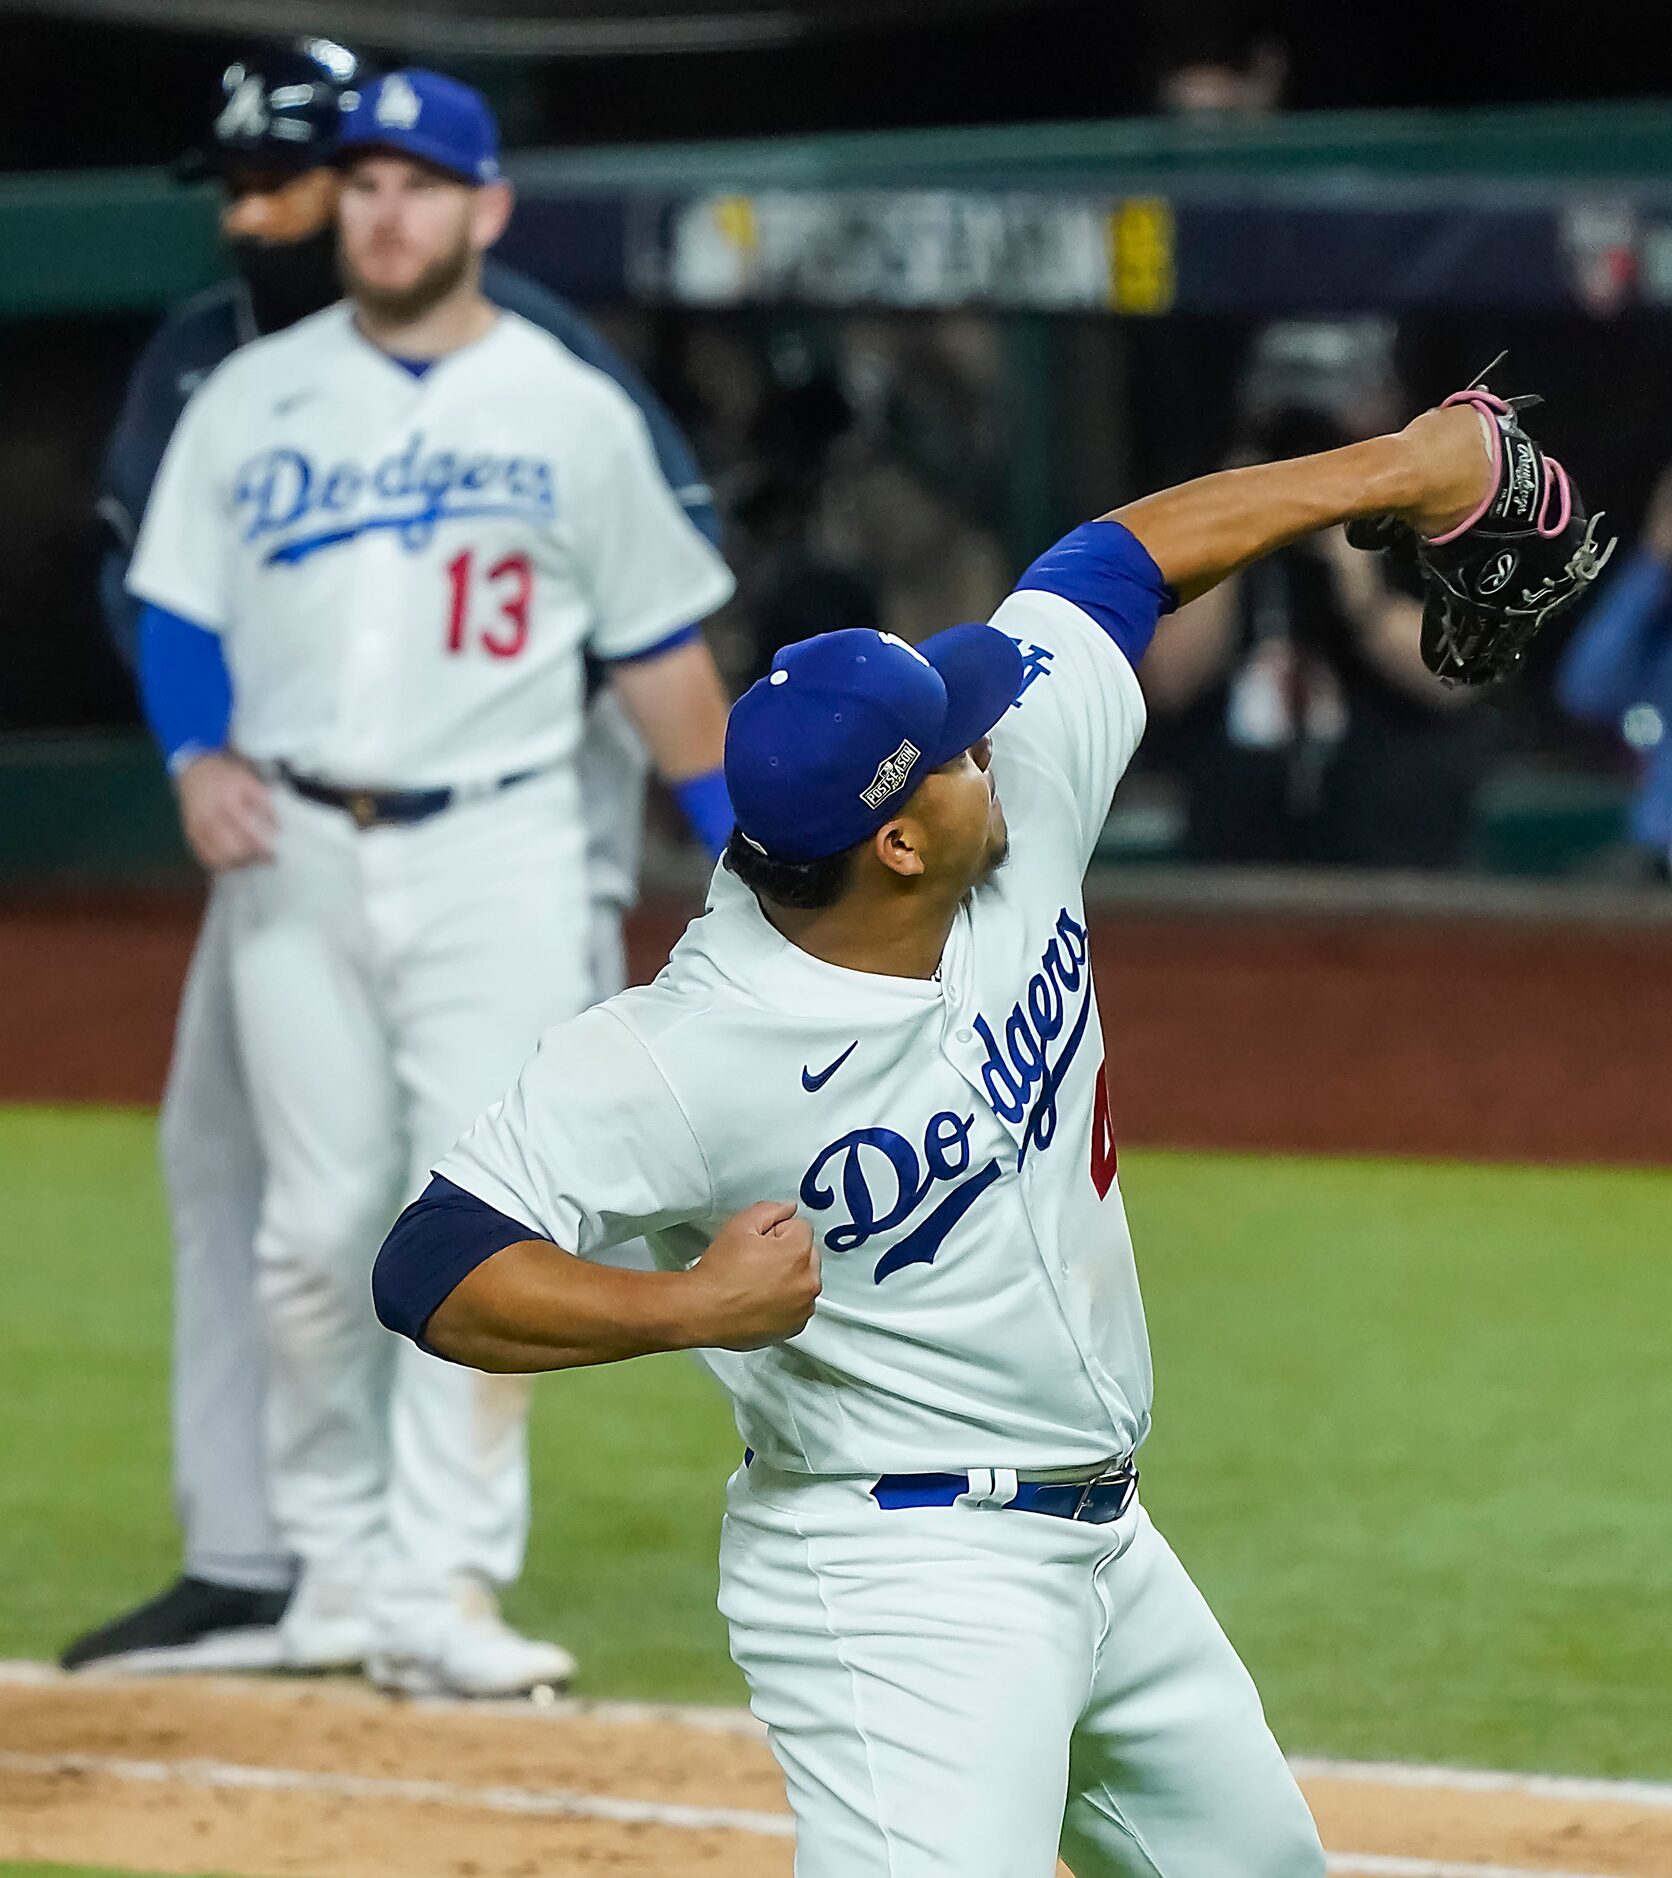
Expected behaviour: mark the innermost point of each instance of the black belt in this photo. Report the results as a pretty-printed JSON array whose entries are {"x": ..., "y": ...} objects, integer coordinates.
[
  {"x": 1098, "y": 1500},
  {"x": 392, "y": 808}
]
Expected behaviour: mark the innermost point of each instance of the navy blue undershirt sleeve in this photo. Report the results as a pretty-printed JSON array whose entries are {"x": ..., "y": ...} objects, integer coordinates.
[
  {"x": 1107, "y": 572},
  {"x": 436, "y": 1243},
  {"x": 182, "y": 352},
  {"x": 184, "y": 685}
]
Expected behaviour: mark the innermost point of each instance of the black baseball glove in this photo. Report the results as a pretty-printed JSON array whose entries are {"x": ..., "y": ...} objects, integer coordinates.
[{"x": 1490, "y": 583}]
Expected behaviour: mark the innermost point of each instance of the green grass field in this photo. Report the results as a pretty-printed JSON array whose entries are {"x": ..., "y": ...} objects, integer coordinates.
[
  {"x": 1410, "y": 1435},
  {"x": 63, "y": 1871}
]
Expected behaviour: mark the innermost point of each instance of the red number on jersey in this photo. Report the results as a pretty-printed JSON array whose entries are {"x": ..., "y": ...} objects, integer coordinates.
[
  {"x": 1104, "y": 1160},
  {"x": 458, "y": 589},
  {"x": 510, "y": 585}
]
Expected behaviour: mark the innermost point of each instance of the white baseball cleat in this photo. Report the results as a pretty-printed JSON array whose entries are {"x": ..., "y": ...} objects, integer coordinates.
[
  {"x": 327, "y": 1625},
  {"x": 464, "y": 1647}
]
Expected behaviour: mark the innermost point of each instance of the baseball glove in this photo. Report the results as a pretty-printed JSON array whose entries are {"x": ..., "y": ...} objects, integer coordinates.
[{"x": 1489, "y": 584}]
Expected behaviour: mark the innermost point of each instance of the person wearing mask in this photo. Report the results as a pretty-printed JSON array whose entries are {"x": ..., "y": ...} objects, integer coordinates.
[{"x": 270, "y": 148}]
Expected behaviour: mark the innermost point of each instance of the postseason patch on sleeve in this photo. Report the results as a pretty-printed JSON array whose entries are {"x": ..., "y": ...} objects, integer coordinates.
[{"x": 1107, "y": 572}]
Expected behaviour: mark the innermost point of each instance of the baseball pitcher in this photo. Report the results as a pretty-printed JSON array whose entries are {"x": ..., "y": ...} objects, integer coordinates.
[
  {"x": 863, "y": 1117},
  {"x": 381, "y": 545}
]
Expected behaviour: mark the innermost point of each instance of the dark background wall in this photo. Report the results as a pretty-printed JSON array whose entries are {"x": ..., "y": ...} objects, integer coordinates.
[{"x": 81, "y": 94}]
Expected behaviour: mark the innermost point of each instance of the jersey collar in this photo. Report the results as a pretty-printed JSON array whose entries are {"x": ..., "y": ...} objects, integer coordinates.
[{"x": 745, "y": 943}]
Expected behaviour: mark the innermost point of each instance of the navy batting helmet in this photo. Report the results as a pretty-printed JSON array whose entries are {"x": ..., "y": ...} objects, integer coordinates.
[{"x": 278, "y": 109}]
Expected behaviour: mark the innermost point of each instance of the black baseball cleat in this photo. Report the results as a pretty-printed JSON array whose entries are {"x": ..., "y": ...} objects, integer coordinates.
[{"x": 193, "y": 1625}]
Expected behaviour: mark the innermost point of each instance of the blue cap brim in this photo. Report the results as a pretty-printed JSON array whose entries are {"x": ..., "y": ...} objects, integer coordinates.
[
  {"x": 438, "y": 155},
  {"x": 982, "y": 672}
]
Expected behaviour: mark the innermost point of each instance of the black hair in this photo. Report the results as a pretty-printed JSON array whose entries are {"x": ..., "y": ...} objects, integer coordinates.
[{"x": 807, "y": 886}]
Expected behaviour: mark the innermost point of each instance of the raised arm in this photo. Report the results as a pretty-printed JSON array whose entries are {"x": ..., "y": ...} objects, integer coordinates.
[{"x": 1432, "y": 474}]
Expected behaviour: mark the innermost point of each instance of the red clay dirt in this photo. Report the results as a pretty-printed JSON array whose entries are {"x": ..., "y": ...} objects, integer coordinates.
[
  {"x": 1469, "y": 1039},
  {"x": 276, "y": 1780}
]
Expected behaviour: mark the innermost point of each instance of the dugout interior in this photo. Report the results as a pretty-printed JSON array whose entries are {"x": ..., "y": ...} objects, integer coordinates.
[{"x": 909, "y": 360}]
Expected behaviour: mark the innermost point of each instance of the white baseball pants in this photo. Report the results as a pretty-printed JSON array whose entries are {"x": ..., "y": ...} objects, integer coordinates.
[
  {"x": 212, "y": 1175},
  {"x": 966, "y": 1692},
  {"x": 388, "y": 984}
]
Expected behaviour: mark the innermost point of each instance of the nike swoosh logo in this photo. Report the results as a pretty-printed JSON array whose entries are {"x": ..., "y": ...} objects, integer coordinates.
[
  {"x": 812, "y": 1083},
  {"x": 284, "y": 406}
]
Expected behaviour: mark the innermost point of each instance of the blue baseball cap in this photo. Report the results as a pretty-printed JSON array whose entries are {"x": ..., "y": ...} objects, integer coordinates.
[
  {"x": 831, "y": 743},
  {"x": 423, "y": 115}
]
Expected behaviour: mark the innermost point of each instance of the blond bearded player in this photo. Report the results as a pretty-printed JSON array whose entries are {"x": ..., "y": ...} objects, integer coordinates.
[
  {"x": 862, "y": 1117},
  {"x": 380, "y": 545}
]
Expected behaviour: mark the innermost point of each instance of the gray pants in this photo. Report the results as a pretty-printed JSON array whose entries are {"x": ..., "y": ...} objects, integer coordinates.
[{"x": 212, "y": 1171}]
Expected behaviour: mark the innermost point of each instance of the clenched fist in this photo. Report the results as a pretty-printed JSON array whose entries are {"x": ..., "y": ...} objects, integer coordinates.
[
  {"x": 758, "y": 1281},
  {"x": 225, "y": 812}
]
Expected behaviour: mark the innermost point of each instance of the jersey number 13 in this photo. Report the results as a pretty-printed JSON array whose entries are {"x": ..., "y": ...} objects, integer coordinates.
[{"x": 503, "y": 592}]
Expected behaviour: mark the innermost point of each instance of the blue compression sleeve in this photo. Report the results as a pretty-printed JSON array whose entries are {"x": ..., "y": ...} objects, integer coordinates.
[
  {"x": 184, "y": 686},
  {"x": 437, "y": 1242},
  {"x": 1107, "y": 572},
  {"x": 707, "y": 807},
  {"x": 1611, "y": 660}
]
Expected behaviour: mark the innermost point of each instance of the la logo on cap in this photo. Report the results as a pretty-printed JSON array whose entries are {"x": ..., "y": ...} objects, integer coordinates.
[
  {"x": 397, "y": 104},
  {"x": 245, "y": 112}
]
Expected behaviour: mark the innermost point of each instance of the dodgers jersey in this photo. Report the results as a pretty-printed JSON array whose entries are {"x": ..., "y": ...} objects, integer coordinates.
[
  {"x": 406, "y": 570},
  {"x": 949, "y": 1140}
]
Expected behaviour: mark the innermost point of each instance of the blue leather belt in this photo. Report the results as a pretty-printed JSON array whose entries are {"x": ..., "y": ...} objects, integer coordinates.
[
  {"x": 1097, "y": 1501},
  {"x": 391, "y": 808}
]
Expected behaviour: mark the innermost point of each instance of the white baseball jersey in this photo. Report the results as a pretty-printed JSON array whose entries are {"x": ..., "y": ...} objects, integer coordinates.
[
  {"x": 405, "y": 570},
  {"x": 949, "y": 1140}
]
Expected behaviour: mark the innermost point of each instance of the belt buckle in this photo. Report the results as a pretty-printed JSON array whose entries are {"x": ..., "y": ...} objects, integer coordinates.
[
  {"x": 1122, "y": 1471},
  {"x": 362, "y": 806}
]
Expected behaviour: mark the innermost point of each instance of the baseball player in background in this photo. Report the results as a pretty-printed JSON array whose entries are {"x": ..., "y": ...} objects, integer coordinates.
[
  {"x": 863, "y": 1117},
  {"x": 380, "y": 544}
]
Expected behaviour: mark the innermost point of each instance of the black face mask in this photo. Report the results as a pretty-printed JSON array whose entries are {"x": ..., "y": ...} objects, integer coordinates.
[{"x": 289, "y": 280}]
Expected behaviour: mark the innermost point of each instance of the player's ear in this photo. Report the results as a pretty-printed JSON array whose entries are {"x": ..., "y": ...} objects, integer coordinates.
[
  {"x": 898, "y": 845},
  {"x": 492, "y": 211}
]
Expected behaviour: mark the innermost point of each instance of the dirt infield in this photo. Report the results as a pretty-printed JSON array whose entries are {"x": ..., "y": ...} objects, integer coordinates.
[
  {"x": 1408, "y": 1036},
  {"x": 324, "y": 1778}
]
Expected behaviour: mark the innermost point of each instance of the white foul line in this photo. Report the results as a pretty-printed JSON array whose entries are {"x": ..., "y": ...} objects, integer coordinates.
[
  {"x": 706, "y": 1718},
  {"x": 1386, "y": 1865},
  {"x": 716, "y": 1719},
  {"x": 552, "y": 1803},
  {"x": 1484, "y": 1780}
]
